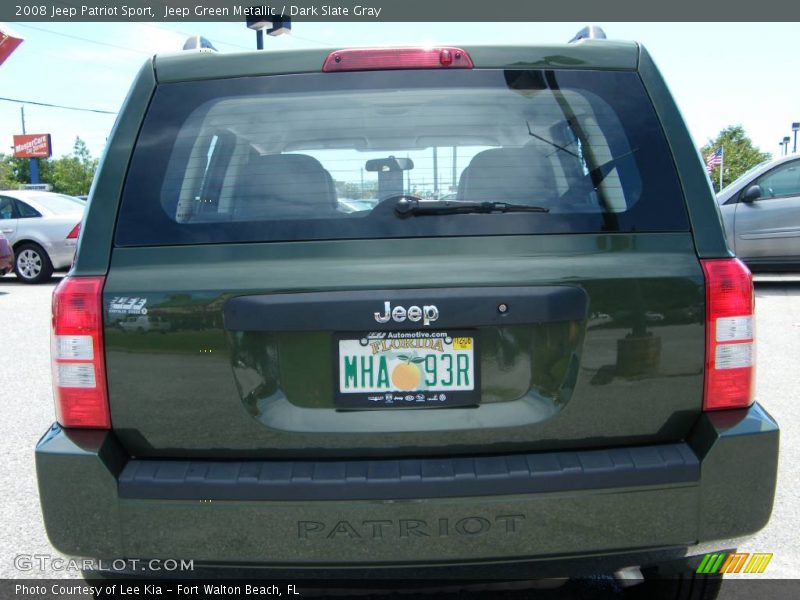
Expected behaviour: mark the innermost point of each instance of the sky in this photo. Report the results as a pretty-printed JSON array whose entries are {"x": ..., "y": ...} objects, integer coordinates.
[{"x": 719, "y": 73}]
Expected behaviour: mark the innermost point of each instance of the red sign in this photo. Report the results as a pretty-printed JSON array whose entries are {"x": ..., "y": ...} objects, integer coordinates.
[
  {"x": 35, "y": 145},
  {"x": 8, "y": 43}
]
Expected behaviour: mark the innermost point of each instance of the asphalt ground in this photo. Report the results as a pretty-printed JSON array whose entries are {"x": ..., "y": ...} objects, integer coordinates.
[{"x": 27, "y": 411}]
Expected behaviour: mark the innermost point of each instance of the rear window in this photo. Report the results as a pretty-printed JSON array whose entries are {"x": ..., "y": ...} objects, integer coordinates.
[
  {"x": 26, "y": 211},
  {"x": 59, "y": 204},
  {"x": 326, "y": 156}
]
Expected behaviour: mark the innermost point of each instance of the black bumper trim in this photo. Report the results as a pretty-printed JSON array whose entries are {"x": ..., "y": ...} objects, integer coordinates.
[{"x": 667, "y": 464}]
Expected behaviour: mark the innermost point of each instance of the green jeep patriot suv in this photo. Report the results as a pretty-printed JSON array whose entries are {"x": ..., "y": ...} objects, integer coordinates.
[{"x": 447, "y": 311}]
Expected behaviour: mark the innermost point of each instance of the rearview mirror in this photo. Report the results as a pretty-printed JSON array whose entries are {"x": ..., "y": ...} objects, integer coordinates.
[
  {"x": 751, "y": 194},
  {"x": 389, "y": 164}
]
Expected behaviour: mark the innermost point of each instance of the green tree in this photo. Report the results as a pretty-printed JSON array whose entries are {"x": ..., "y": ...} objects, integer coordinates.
[
  {"x": 15, "y": 171},
  {"x": 72, "y": 174},
  {"x": 739, "y": 154},
  {"x": 7, "y": 179}
]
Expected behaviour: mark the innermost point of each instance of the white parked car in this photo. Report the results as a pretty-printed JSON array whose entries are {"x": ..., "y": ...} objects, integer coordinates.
[{"x": 43, "y": 229}]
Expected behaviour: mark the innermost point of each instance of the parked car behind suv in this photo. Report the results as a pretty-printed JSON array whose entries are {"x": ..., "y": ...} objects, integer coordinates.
[
  {"x": 761, "y": 213},
  {"x": 422, "y": 387},
  {"x": 43, "y": 228}
]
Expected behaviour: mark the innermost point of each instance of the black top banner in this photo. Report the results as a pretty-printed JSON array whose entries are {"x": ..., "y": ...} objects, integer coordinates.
[{"x": 400, "y": 10}]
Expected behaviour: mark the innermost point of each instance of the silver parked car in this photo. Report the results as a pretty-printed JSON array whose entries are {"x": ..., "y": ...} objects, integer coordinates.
[
  {"x": 43, "y": 229},
  {"x": 761, "y": 212}
]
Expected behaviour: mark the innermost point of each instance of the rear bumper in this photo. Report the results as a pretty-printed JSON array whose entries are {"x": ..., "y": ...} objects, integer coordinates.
[
  {"x": 602, "y": 509},
  {"x": 61, "y": 253}
]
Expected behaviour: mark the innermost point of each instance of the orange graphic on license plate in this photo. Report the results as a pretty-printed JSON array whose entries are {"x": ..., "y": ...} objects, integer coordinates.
[{"x": 407, "y": 376}]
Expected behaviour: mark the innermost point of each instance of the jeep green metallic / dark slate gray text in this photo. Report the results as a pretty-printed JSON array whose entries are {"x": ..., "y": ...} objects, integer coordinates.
[{"x": 441, "y": 309}]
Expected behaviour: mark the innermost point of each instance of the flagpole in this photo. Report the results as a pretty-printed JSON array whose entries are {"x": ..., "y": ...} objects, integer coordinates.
[{"x": 721, "y": 165}]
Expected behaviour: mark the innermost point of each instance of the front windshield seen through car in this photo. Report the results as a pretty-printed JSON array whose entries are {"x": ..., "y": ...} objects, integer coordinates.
[{"x": 485, "y": 144}]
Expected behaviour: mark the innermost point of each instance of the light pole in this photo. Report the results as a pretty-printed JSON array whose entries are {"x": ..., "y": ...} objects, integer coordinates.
[
  {"x": 32, "y": 162},
  {"x": 259, "y": 22},
  {"x": 795, "y": 127}
]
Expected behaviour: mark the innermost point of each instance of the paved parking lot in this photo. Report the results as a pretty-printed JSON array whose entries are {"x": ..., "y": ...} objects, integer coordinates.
[{"x": 27, "y": 405}]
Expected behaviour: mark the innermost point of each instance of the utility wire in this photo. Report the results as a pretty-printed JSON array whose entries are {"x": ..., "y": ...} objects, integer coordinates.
[
  {"x": 92, "y": 110},
  {"x": 145, "y": 52},
  {"x": 226, "y": 43},
  {"x": 149, "y": 25},
  {"x": 154, "y": 26},
  {"x": 187, "y": 34},
  {"x": 305, "y": 39},
  {"x": 83, "y": 39}
]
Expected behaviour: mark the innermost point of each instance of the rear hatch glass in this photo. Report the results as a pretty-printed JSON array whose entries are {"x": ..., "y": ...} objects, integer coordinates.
[{"x": 325, "y": 156}]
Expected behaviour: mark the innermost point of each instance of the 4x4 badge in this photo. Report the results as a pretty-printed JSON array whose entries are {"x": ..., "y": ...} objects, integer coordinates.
[
  {"x": 122, "y": 305},
  {"x": 427, "y": 314}
]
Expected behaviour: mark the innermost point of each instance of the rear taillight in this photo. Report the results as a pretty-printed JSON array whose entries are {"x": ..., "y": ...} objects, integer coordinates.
[
  {"x": 377, "y": 59},
  {"x": 730, "y": 352},
  {"x": 79, "y": 373},
  {"x": 73, "y": 235}
]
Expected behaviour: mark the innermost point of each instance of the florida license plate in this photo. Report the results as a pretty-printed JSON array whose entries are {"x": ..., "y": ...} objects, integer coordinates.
[{"x": 407, "y": 369}]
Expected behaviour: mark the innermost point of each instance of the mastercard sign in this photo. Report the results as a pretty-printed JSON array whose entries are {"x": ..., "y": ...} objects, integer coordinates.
[{"x": 35, "y": 145}]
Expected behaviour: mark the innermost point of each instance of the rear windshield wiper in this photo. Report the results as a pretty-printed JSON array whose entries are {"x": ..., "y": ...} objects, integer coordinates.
[{"x": 409, "y": 205}]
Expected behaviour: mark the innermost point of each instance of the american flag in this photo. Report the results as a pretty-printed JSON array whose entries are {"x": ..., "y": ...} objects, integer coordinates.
[{"x": 714, "y": 160}]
